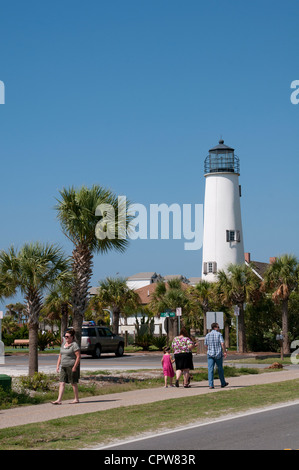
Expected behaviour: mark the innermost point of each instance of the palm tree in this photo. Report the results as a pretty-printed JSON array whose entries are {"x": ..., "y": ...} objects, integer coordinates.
[
  {"x": 32, "y": 269},
  {"x": 169, "y": 296},
  {"x": 281, "y": 278},
  {"x": 235, "y": 287},
  {"x": 9, "y": 324},
  {"x": 201, "y": 296},
  {"x": 17, "y": 311},
  {"x": 77, "y": 211},
  {"x": 115, "y": 295},
  {"x": 57, "y": 304}
]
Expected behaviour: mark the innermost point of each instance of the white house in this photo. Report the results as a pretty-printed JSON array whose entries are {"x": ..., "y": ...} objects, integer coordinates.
[
  {"x": 144, "y": 284},
  {"x": 143, "y": 279}
]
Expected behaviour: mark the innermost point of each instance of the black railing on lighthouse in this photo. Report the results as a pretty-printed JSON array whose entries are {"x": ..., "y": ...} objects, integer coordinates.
[{"x": 222, "y": 163}]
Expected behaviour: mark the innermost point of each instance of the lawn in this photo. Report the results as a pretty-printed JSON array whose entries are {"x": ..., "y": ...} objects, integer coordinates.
[{"x": 43, "y": 388}]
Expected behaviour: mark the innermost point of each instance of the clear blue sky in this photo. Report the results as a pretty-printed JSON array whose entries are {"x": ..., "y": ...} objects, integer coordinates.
[{"x": 131, "y": 95}]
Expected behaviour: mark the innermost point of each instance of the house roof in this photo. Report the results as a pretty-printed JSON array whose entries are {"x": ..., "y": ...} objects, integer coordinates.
[
  {"x": 145, "y": 293},
  {"x": 174, "y": 276},
  {"x": 142, "y": 276},
  {"x": 194, "y": 280},
  {"x": 93, "y": 290},
  {"x": 259, "y": 268}
]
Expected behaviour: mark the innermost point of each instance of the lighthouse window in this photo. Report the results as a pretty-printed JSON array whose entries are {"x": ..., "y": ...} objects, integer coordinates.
[
  {"x": 210, "y": 267},
  {"x": 233, "y": 235}
]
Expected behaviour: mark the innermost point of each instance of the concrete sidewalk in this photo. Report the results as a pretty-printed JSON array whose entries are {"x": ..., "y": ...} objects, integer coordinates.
[{"x": 45, "y": 412}]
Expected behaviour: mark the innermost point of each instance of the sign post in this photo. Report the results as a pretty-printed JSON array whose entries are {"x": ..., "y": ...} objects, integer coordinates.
[
  {"x": 178, "y": 312},
  {"x": 279, "y": 338}
]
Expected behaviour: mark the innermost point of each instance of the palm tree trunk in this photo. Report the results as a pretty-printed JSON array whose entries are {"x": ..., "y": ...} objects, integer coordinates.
[
  {"x": 241, "y": 333},
  {"x": 64, "y": 319},
  {"x": 205, "y": 323},
  {"x": 115, "y": 320},
  {"x": 33, "y": 348},
  {"x": 34, "y": 305},
  {"x": 82, "y": 268},
  {"x": 173, "y": 326},
  {"x": 285, "y": 327}
]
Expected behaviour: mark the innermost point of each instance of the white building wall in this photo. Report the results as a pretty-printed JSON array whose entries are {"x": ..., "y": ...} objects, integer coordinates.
[
  {"x": 128, "y": 324},
  {"x": 137, "y": 284},
  {"x": 222, "y": 212}
]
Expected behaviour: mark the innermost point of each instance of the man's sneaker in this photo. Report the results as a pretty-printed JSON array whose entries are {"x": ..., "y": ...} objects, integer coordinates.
[{"x": 225, "y": 385}]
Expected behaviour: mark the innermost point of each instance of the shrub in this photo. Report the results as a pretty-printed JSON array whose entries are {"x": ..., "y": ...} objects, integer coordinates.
[
  {"x": 11, "y": 399},
  {"x": 20, "y": 333},
  {"x": 38, "y": 381},
  {"x": 144, "y": 341},
  {"x": 159, "y": 342},
  {"x": 46, "y": 339}
]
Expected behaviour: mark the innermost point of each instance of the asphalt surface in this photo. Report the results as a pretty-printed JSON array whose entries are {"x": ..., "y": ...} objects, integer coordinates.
[
  {"x": 17, "y": 364},
  {"x": 271, "y": 428}
]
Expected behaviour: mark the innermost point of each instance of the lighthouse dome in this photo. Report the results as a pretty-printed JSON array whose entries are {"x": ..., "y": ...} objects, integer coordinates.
[{"x": 221, "y": 148}]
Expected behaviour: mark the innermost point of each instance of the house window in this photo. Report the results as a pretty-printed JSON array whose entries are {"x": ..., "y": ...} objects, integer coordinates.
[
  {"x": 233, "y": 235},
  {"x": 210, "y": 267}
]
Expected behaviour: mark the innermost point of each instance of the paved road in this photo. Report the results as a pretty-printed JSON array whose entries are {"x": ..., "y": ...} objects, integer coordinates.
[
  {"x": 268, "y": 429},
  {"x": 18, "y": 364},
  {"x": 47, "y": 363}
]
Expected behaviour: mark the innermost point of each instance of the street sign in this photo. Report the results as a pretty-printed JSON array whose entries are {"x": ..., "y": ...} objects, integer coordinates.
[
  {"x": 236, "y": 310},
  {"x": 167, "y": 314},
  {"x": 178, "y": 311},
  {"x": 215, "y": 317}
]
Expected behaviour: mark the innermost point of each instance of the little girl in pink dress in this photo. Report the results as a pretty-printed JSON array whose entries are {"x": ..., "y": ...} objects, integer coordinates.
[{"x": 167, "y": 362}]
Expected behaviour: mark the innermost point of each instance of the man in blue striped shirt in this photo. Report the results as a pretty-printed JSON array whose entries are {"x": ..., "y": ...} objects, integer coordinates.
[{"x": 216, "y": 350}]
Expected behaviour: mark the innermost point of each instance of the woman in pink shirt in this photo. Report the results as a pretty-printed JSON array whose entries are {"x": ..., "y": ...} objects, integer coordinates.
[{"x": 182, "y": 346}]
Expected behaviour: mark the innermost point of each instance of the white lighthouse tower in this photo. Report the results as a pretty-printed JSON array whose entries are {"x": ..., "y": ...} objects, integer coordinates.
[{"x": 222, "y": 237}]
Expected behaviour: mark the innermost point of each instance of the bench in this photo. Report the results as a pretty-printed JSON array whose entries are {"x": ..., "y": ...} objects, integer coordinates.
[{"x": 21, "y": 343}]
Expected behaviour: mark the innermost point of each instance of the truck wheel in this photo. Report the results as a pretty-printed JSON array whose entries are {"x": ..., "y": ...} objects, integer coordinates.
[
  {"x": 120, "y": 350},
  {"x": 97, "y": 352}
]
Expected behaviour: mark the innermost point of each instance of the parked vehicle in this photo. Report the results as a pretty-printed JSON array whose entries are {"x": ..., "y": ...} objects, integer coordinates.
[{"x": 100, "y": 339}]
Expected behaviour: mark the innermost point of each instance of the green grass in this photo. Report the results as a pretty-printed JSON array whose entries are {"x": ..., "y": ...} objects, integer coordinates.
[
  {"x": 83, "y": 431},
  {"x": 13, "y": 351},
  {"x": 114, "y": 383},
  {"x": 268, "y": 360}
]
